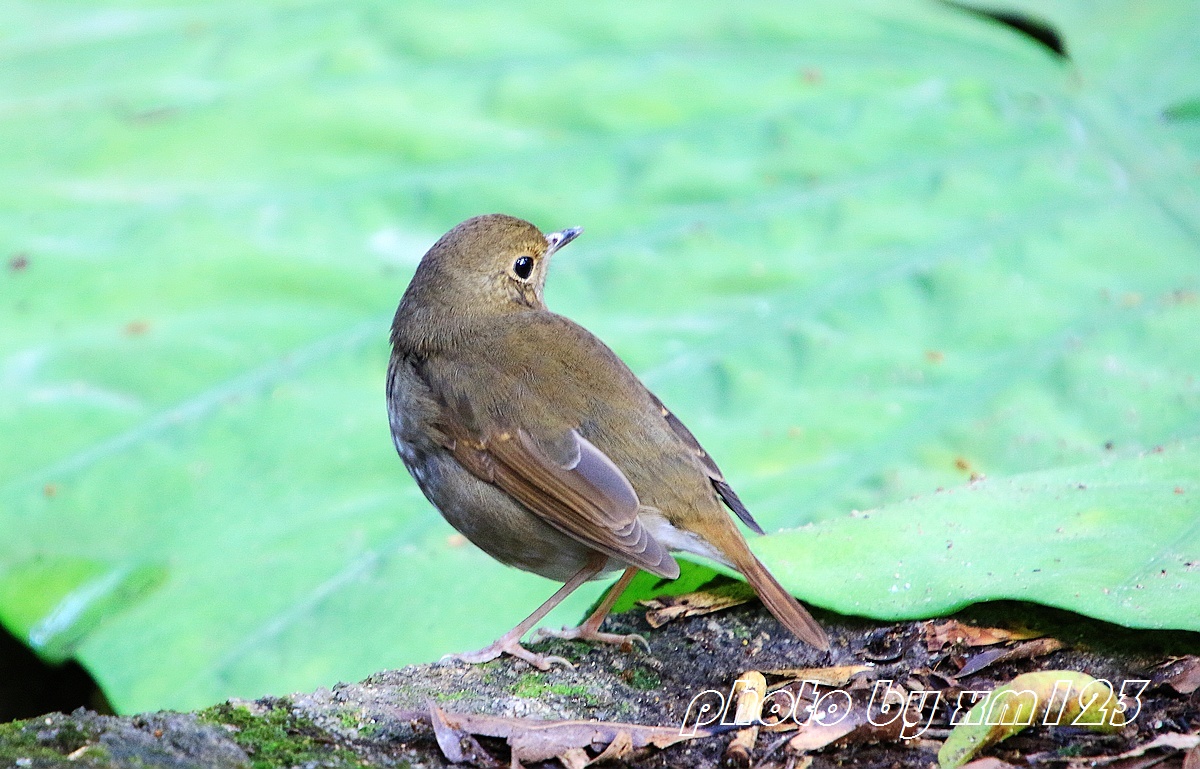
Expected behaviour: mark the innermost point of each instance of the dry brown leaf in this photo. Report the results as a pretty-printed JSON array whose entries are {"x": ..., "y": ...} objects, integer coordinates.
[
  {"x": 940, "y": 634},
  {"x": 1143, "y": 762},
  {"x": 536, "y": 740},
  {"x": 832, "y": 676},
  {"x": 1022, "y": 651},
  {"x": 457, "y": 745},
  {"x": 845, "y": 720},
  {"x": 618, "y": 750},
  {"x": 749, "y": 710},
  {"x": 990, "y": 762},
  {"x": 814, "y": 736},
  {"x": 575, "y": 758},
  {"x": 1173, "y": 740},
  {"x": 667, "y": 608},
  {"x": 1182, "y": 675}
]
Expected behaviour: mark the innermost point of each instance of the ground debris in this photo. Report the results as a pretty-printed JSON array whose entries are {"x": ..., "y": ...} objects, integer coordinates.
[
  {"x": 537, "y": 740},
  {"x": 822, "y": 709},
  {"x": 1182, "y": 674},
  {"x": 667, "y": 608}
]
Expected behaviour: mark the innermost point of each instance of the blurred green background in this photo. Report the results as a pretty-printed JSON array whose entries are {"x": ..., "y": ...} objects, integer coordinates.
[{"x": 864, "y": 249}]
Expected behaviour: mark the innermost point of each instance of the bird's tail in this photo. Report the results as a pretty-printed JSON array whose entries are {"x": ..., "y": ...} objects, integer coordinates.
[{"x": 778, "y": 601}]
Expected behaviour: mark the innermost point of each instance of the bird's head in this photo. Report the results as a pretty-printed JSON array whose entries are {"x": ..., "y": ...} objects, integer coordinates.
[{"x": 487, "y": 266}]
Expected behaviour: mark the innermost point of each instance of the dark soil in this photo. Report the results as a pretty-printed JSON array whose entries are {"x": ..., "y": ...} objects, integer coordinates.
[{"x": 383, "y": 720}]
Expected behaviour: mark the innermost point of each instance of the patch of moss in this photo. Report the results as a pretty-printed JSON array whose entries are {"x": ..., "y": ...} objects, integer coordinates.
[
  {"x": 529, "y": 685},
  {"x": 353, "y": 719},
  {"x": 278, "y": 737},
  {"x": 18, "y": 740},
  {"x": 532, "y": 685},
  {"x": 348, "y": 719},
  {"x": 740, "y": 631},
  {"x": 641, "y": 678},
  {"x": 573, "y": 690},
  {"x": 40, "y": 742}
]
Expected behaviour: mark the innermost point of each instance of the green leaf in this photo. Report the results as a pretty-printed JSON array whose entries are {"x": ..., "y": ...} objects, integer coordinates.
[
  {"x": 1189, "y": 109},
  {"x": 1118, "y": 540},
  {"x": 863, "y": 251},
  {"x": 1045, "y": 698}
]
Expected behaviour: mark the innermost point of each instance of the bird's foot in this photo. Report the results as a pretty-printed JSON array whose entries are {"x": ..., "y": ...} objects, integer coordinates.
[
  {"x": 586, "y": 633},
  {"x": 512, "y": 648}
]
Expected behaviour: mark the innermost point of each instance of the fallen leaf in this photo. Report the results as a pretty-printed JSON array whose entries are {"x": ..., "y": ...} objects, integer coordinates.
[
  {"x": 1172, "y": 740},
  {"x": 618, "y": 750},
  {"x": 832, "y": 676},
  {"x": 1048, "y": 698},
  {"x": 940, "y": 634},
  {"x": 749, "y": 710},
  {"x": 846, "y": 718},
  {"x": 457, "y": 745},
  {"x": 1182, "y": 675},
  {"x": 668, "y": 608},
  {"x": 814, "y": 736},
  {"x": 1144, "y": 762},
  {"x": 535, "y": 740},
  {"x": 575, "y": 758},
  {"x": 1022, "y": 651},
  {"x": 990, "y": 762}
]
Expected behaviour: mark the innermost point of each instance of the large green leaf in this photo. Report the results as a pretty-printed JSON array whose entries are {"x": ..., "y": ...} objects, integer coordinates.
[
  {"x": 1117, "y": 540},
  {"x": 864, "y": 250}
]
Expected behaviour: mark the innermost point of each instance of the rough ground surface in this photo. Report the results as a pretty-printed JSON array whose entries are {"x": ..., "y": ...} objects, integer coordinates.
[{"x": 373, "y": 722}]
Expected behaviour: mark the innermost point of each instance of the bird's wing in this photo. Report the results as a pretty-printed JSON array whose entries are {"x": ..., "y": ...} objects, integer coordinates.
[
  {"x": 578, "y": 491},
  {"x": 723, "y": 489}
]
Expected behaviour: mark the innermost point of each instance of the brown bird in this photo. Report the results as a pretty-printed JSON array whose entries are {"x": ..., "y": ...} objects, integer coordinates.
[{"x": 539, "y": 444}]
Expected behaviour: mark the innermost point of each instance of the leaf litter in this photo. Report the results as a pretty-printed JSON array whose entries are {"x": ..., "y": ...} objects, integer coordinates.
[{"x": 733, "y": 689}]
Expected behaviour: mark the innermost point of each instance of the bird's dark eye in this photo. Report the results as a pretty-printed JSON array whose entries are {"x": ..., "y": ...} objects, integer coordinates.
[{"x": 523, "y": 267}]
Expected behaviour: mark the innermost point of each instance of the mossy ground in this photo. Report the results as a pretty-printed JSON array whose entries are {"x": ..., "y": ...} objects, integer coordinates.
[
  {"x": 86, "y": 739},
  {"x": 278, "y": 737},
  {"x": 534, "y": 685},
  {"x": 383, "y": 721},
  {"x": 31, "y": 743}
]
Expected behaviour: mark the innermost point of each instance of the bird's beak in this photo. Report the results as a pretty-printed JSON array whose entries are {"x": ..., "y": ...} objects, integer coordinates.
[{"x": 557, "y": 240}]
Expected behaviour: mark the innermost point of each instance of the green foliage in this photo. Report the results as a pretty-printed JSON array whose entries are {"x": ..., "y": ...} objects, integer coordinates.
[
  {"x": 278, "y": 737},
  {"x": 863, "y": 250},
  {"x": 33, "y": 741},
  {"x": 1119, "y": 541},
  {"x": 1054, "y": 697},
  {"x": 534, "y": 686},
  {"x": 643, "y": 678}
]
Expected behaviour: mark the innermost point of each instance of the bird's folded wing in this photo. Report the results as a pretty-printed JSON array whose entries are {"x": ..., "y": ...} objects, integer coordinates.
[
  {"x": 723, "y": 489},
  {"x": 581, "y": 493}
]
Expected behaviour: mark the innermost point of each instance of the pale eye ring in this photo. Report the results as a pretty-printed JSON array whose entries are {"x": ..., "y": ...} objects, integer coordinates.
[{"x": 523, "y": 267}]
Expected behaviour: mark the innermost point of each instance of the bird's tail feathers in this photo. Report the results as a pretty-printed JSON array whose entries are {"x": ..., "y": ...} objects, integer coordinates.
[{"x": 778, "y": 601}]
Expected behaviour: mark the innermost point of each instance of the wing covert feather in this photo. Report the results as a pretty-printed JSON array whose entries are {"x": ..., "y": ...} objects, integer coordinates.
[{"x": 589, "y": 498}]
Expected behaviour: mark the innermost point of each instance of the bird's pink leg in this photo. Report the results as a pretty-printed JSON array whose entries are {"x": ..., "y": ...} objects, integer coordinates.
[
  {"x": 510, "y": 642},
  {"x": 590, "y": 629}
]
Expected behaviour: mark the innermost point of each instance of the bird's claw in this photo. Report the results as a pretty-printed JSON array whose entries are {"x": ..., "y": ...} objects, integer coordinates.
[
  {"x": 583, "y": 633},
  {"x": 513, "y": 649}
]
